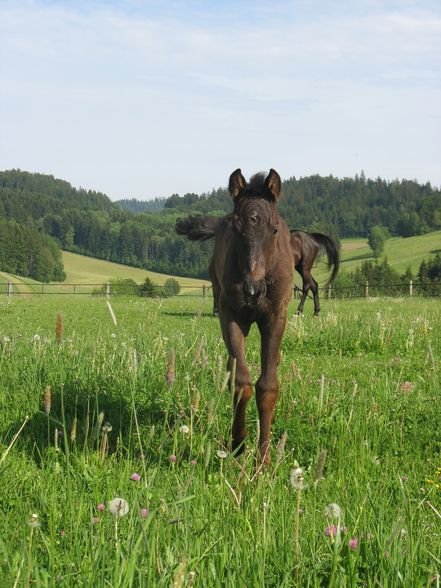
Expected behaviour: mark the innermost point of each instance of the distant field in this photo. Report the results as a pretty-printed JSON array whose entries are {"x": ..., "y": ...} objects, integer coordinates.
[{"x": 83, "y": 270}]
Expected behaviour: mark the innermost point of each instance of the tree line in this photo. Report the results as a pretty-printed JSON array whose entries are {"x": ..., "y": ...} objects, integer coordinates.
[{"x": 87, "y": 222}]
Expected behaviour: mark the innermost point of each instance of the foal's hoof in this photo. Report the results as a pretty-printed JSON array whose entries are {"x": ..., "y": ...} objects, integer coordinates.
[
  {"x": 238, "y": 447},
  {"x": 298, "y": 312},
  {"x": 317, "y": 313}
]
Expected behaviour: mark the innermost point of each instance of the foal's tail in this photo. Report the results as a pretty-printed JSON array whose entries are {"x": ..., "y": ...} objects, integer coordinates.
[
  {"x": 198, "y": 228},
  {"x": 332, "y": 252}
]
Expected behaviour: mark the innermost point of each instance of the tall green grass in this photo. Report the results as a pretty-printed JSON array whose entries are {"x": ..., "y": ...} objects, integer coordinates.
[{"x": 360, "y": 403}]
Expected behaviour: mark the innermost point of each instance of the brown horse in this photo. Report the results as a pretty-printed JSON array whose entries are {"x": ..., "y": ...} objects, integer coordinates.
[
  {"x": 305, "y": 247},
  {"x": 251, "y": 272}
]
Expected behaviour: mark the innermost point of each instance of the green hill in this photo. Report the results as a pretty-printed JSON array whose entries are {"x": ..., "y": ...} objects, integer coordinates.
[
  {"x": 88, "y": 272},
  {"x": 400, "y": 253}
]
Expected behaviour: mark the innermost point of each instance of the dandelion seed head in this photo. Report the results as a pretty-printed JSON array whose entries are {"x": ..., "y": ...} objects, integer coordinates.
[
  {"x": 184, "y": 429},
  {"x": 221, "y": 454},
  {"x": 34, "y": 522},
  {"x": 119, "y": 507},
  {"x": 297, "y": 479},
  {"x": 333, "y": 511}
]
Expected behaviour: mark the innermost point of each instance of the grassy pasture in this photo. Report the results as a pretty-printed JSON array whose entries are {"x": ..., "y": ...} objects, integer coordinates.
[{"x": 362, "y": 382}]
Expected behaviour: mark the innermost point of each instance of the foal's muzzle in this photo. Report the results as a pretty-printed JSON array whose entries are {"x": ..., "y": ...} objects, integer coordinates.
[{"x": 254, "y": 290}]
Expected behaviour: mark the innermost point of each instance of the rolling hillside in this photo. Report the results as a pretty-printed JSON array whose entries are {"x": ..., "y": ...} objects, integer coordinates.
[
  {"x": 83, "y": 270},
  {"x": 400, "y": 252}
]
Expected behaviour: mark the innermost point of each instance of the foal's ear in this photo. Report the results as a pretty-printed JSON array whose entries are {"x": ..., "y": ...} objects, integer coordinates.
[
  {"x": 236, "y": 184},
  {"x": 273, "y": 184}
]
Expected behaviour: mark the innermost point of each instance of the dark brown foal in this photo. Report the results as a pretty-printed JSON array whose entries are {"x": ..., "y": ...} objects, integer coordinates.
[{"x": 251, "y": 272}]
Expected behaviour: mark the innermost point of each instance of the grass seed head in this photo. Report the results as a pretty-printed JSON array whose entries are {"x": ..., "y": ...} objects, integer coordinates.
[
  {"x": 47, "y": 400},
  {"x": 59, "y": 329}
]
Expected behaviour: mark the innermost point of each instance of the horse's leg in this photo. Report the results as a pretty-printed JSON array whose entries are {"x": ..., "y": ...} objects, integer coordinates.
[
  {"x": 304, "y": 295},
  {"x": 267, "y": 387},
  {"x": 315, "y": 289},
  {"x": 234, "y": 337}
]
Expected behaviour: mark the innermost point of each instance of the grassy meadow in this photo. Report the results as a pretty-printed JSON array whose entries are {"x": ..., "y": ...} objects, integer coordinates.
[{"x": 88, "y": 404}]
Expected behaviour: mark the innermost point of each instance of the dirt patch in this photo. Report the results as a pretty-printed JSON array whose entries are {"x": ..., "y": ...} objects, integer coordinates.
[{"x": 353, "y": 246}]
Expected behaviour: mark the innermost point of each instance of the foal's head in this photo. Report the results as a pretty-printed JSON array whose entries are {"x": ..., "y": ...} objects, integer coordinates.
[{"x": 255, "y": 222}]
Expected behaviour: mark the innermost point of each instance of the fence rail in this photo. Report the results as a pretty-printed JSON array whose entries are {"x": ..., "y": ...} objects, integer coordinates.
[{"x": 364, "y": 290}]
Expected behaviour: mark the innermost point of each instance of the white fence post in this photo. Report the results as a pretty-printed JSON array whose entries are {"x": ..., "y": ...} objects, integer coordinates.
[
  {"x": 107, "y": 290},
  {"x": 9, "y": 290},
  {"x": 366, "y": 289},
  {"x": 410, "y": 288}
]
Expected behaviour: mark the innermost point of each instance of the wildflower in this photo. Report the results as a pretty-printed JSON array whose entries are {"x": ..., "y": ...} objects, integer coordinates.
[
  {"x": 172, "y": 458},
  {"x": 333, "y": 511},
  {"x": 404, "y": 478},
  {"x": 6, "y": 339},
  {"x": 119, "y": 507},
  {"x": 101, "y": 507},
  {"x": 34, "y": 522},
  {"x": 331, "y": 531},
  {"x": 113, "y": 335},
  {"x": 297, "y": 480},
  {"x": 184, "y": 429},
  {"x": 353, "y": 543},
  {"x": 222, "y": 454},
  {"x": 62, "y": 533},
  {"x": 36, "y": 337},
  {"x": 95, "y": 520},
  {"x": 406, "y": 387},
  {"x": 193, "y": 462},
  {"x": 144, "y": 513},
  {"x": 135, "y": 477}
]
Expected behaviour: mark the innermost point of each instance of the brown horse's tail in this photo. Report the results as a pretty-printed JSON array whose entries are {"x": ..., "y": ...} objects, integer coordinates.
[
  {"x": 332, "y": 252},
  {"x": 198, "y": 228}
]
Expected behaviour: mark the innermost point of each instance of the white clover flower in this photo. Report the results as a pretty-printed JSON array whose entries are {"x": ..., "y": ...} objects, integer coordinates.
[
  {"x": 184, "y": 429},
  {"x": 6, "y": 339},
  {"x": 297, "y": 479},
  {"x": 333, "y": 511},
  {"x": 36, "y": 337},
  {"x": 113, "y": 335},
  {"x": 222, "y": 454},
  {"x": 119, "y": 507}
]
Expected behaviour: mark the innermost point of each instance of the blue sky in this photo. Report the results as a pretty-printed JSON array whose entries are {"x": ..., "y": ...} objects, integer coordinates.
[{"x": 147, "y": 98}]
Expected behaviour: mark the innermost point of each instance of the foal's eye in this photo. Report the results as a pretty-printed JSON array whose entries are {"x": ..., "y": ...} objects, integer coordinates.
[{"x": 275, "y": 229}]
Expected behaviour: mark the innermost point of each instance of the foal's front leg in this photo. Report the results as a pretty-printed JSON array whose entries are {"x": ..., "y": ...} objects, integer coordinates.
[
  {"x": 234, "y": 337},
  {"x": 267, "y": 387}
]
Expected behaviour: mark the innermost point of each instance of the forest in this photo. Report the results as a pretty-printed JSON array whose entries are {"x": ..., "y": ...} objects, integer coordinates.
[{"x": 88, "y": 222}]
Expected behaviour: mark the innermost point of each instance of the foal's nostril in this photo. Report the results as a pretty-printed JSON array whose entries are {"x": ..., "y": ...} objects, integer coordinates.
[{"x": 248, "y": 288}]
